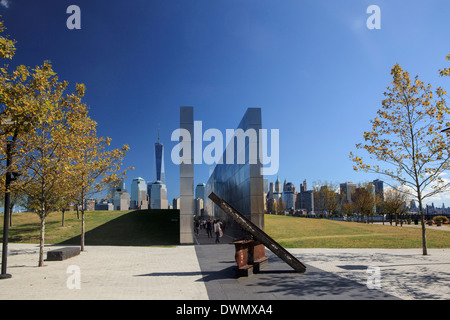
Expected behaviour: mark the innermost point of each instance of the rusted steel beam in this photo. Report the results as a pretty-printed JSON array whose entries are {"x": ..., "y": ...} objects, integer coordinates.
[{"x": 258, "y": 234}]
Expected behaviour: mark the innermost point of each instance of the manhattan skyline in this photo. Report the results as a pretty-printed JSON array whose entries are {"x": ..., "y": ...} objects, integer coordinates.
[{"x": 313, "y": 67}]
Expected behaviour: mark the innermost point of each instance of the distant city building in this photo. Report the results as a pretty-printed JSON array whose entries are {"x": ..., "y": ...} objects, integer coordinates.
[
  {"x": 139, "y": 194},
  {"x": 303, "y": 186},
  {"x": 346, "y": 189},
  {"x": 121, "y": 200},
  {"x": 198, "y": 207},
  {"x": 379, "y": 188},
  {"x": 307, "y": 201},
  {"x": 200, "y": 192},
  {"x": 104, "y": 206},
  {"x": 158, "y": 196},
  {"x": 159, "y": 155},
  {"x": 289, "y": 195},
  {"x": 89, "y": 204},
  {"x": 115, "y": 187},
  {"x": 176, "y": 203},
  {"x": 277, "y": 195},
  {"x": 119, "y": 197}
]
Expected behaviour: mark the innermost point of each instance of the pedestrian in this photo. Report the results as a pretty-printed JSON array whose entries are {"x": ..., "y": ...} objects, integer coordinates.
[
  {"x": 217, "y": 230},
  {"x": 196, "y": 226},
  {"x": 209, "y": 228}
]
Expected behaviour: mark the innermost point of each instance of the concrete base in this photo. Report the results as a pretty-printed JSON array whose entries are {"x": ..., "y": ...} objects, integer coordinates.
[
  {"x": 5, "y": 276},
  {"x": 63, "y": 253}
]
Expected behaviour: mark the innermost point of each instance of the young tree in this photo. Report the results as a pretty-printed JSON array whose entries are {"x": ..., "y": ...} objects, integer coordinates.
[
  {"x": 328, "y": 197},
  {"x": 45, "y": 156},
  {"x": 406, "y": 139},
  {"x": 364, "y": 200},
  {"x": 280, "y": 206},
  {"x": 347, "y": 209},
  {"x": 93, "y": 167},
  {"x": 395, "y": 203}
]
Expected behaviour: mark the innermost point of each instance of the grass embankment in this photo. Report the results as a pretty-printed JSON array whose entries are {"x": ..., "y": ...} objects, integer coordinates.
[
  {"x": 295, "y": 232},
  {"x": 158, "y": 228},
  {"x": 115, "y": 228}
]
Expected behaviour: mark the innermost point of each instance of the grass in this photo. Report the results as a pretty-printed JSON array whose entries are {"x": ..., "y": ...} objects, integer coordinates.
[
  {"x": 161, "y": 228},
  {"x": 116, "y": 228},
  {"x": 294, "y": 232}
]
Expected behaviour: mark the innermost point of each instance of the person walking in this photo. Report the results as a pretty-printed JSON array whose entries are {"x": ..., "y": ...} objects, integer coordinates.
[
  {"x": 209, "y": 228},
  {"x": 196, "y": 226},
  {"x": 217, "y": 230}
]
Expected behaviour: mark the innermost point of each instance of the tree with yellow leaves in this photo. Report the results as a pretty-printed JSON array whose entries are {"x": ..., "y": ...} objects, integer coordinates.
[
  {"x": 446, "y": 71},
  {"x": 42, "y": 155},
  {"x": 406, "y": 139},
  {"x": 92, "y": 166}
]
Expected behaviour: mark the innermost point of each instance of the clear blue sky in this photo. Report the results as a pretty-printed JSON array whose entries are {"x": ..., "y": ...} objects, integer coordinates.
[{"x": 314, "y": 68}]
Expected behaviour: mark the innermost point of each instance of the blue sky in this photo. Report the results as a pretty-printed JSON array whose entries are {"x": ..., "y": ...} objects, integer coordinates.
[{"x": 314, "y": 68}]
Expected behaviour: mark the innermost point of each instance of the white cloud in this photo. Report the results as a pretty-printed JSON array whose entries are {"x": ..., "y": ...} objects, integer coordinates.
[{"x": 4, "y": 3}]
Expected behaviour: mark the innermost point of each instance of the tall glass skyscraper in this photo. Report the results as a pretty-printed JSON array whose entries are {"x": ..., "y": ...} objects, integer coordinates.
[{"x": 159, "y": 155}]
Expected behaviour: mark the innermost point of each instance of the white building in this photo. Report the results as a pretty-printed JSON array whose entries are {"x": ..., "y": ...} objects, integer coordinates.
[
  {"x": 158, "y": 196},
  {"x": 139, "y": 194}
]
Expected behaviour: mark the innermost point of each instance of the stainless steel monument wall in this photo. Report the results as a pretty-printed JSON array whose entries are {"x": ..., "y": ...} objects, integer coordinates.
[
  {"x": 187, "y": 180},
  {"x": 241, "y": 185}
]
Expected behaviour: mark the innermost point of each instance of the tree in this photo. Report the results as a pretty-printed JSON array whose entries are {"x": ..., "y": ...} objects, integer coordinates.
[
  {"x": 92, "y": 166},
  {"x": 28, "y": 116},
  {"x": 45, "y": 155},
  {"x": 364, "y": 200},
  {"x": 327, "y": 198},
  {"x": 406, "y": 139},
  {"x": 7, "y": 46},
  {"x": 280, "y": 206},
  {"x": 395, "y": 203},
  {"x": 446, "y": 71},
  {"x": 347, "y": 209}
]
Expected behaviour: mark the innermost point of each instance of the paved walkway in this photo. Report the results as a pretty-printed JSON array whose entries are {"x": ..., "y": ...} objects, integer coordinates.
[
  {"x": 444, "y": 227},
  {"x": 105, "y": 273},
  {"x": 205, "y": 271}
]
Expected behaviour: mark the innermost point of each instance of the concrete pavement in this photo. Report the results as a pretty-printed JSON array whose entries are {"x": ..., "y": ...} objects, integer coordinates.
[{"x": 205, "y": 271}]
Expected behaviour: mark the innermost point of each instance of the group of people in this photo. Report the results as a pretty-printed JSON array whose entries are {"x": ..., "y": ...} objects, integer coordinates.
[{"x": 216, "y": 226}]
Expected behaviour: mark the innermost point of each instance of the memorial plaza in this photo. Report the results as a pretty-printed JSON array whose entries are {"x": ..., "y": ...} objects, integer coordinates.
[{"x": 204, "y": 271}]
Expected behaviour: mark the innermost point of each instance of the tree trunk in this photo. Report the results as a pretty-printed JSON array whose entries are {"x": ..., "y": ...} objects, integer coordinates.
[
  {"x": 62, "y": 222},
  {"x": 41, "y": 240},
  {"x": 82, "y": 230},
  {"x": 422, "y": 220}
]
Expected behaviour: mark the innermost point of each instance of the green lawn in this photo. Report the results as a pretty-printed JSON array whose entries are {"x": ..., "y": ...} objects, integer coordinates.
[
  {"x": 296, "y": 232},
  {"x": 117, "y": 228},
  {"x": 161, "y": 228}
]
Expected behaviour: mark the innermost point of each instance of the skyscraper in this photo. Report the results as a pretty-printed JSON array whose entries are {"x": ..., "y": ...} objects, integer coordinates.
[
  {"x": 138, "y": 194},
  {"x": 289, "y": 195},
  {"x": 347, "y": 188},
  {"x": 379, "y": 188},
  {"x": 200, "y": 192},
  {"x": 158, "y": 196},
  {"x": 159, "y": 155}
]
